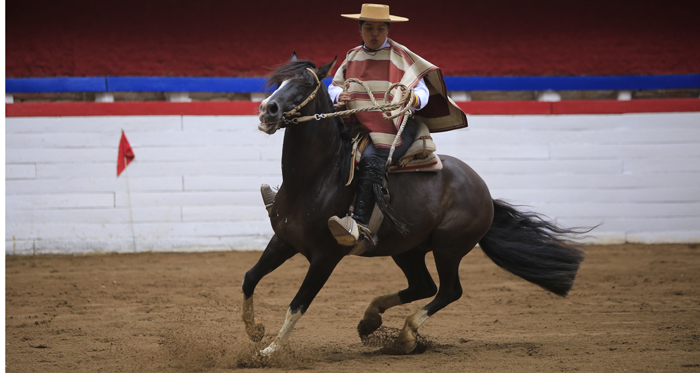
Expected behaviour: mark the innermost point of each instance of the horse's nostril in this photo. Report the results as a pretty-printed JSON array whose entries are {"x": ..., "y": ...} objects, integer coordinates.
[{"x": 272, "y": 108}]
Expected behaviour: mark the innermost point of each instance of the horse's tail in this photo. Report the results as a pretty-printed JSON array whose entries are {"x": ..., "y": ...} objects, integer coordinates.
[{"x": 537, "y": 250}]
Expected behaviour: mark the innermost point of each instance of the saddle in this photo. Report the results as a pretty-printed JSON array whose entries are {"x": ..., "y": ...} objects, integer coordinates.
[{"x": 420, "y": 156}]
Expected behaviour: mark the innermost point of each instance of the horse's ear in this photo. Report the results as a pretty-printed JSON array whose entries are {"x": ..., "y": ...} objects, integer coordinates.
[
  {"x": 293, "y": 57},
  {"x": 323, "y": 71}
]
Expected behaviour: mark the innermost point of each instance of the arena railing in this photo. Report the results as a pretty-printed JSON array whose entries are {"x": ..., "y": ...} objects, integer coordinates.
[{"x": 546, "y": 88}]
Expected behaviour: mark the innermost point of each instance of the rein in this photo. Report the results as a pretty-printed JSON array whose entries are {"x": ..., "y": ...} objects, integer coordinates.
[{"x": 403, "y": 105}]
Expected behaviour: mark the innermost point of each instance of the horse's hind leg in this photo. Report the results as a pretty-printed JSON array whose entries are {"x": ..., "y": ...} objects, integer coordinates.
[
  {"x": 447, "y": 264},
  {"x": 276, "y": 253},
  {"x": 420, "y": 286}
]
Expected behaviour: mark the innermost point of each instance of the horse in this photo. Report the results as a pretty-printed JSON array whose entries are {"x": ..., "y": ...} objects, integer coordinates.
[{"x": 447, "y": 213}]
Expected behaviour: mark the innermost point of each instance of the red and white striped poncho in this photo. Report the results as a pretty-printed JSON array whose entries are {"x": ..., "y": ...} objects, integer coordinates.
[{"x": 381, "y": 69}]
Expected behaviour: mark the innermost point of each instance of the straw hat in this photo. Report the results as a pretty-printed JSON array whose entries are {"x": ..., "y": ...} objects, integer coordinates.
[{"x": 375, "y": 12}]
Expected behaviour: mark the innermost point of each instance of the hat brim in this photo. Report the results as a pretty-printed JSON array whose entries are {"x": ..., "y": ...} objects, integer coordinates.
[{"x": 360, "y": 18}]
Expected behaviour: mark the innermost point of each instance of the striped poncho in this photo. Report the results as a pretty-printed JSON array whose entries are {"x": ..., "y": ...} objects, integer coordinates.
[{"x": 386, "y": 66}]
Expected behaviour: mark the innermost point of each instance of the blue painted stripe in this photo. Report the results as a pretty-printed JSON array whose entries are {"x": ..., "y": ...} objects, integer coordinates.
[
  {"x": 571, "y": 83},
  {"x": 36, "y": 85},
  {"x": 189, "y": 84},
  {"x": 185, "y": 84},
  {"x": 252, "y": 84}
]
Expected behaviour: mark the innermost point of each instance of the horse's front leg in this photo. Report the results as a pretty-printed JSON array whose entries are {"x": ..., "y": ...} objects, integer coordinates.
[
  {"x": 320, "y": 269},
  {"x": 276, "y": 253}
]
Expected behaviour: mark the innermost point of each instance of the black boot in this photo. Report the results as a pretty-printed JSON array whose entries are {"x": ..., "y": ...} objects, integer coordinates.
[
  {"x": 371, "y": 173},
  {"x": 347, "y": 230}
]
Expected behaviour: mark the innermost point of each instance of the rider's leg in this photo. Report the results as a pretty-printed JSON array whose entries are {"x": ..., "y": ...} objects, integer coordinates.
[{"x": 371, "y": 172}]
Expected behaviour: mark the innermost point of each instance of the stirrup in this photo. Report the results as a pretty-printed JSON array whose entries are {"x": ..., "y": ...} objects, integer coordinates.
[
  {"x": 347, "y": 231},
  {"x": 268, "y": 197}
]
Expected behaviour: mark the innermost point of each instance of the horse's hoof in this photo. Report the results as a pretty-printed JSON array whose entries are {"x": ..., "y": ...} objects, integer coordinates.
[
  {"x": 269, "y": 350},
  {"x": 369, "y": 325},
  {"x": 255, "y": 332},
  {"x": 400, "y": 348},
  {"x": 404, "y": 344}
]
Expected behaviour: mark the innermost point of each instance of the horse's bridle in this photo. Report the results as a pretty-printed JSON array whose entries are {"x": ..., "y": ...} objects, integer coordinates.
[{"x": 295, "y": 111}]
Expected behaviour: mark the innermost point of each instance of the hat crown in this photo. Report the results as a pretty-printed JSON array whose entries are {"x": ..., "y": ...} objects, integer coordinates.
[{"x": 375, "y": 11}]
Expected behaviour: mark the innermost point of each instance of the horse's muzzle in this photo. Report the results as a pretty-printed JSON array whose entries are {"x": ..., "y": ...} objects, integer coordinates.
[
  {"x": 269, "y": 127},
  {"x": 270, "y": 117}
]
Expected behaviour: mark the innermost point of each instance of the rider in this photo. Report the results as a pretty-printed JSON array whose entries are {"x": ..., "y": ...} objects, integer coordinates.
[{"x": 380, "y": 62}]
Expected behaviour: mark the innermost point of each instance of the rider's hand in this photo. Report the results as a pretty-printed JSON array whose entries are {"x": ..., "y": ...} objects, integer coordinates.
[{"x": 344, "y": 97}]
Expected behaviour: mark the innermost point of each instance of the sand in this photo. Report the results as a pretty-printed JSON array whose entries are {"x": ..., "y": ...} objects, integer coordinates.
[{"x": 632, "y": 308}]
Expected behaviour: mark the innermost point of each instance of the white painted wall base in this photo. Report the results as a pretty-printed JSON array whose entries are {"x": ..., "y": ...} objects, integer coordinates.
[
  {"x": 104, "y": 97},
  {"x": 460, "y": 96},
  {"x": 624, "y": 95},
  {"x": 548, "y": 96},
  {"x": 194, "y": 185},
  {"x": 178, "y": 96}
]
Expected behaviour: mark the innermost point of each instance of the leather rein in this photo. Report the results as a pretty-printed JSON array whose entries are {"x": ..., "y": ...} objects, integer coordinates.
[{"x": 405, "y": 103}]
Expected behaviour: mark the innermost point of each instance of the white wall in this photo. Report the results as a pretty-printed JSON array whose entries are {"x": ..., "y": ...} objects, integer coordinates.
[{"x": 194, "y": 184}]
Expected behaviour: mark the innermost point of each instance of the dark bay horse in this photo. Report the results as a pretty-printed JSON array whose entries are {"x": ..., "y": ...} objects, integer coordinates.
[{"x": 447, "y": 212}]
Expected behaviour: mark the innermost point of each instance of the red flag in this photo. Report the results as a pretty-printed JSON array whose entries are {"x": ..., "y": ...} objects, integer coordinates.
[{"x": 126, "y": 154}]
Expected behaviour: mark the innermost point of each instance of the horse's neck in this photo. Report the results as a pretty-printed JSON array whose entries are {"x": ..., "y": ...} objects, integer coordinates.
[{"x": 311, "y": 151}]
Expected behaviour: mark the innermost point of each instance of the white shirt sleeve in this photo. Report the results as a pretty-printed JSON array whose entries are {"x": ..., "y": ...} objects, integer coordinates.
[
  {"x": 334, "y": 91},
  {"x": 421, "y": 90}
]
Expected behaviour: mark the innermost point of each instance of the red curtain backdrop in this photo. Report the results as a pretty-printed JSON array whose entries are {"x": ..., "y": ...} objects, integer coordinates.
[{"x": 235, "y": 38}]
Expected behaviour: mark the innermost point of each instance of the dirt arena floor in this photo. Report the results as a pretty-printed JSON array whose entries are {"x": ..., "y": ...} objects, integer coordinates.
[{"x": 633, "y": 308}]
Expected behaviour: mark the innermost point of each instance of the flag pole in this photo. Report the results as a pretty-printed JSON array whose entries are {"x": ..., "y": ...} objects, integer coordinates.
[
  {"x": 125, "y": 151},
  {"x": 131, "y": 213}
]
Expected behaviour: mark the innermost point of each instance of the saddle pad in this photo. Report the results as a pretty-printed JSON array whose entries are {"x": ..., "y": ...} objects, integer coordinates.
[
  {"x": 431, "y": 163},
  {"x": 420, "y": 156}
]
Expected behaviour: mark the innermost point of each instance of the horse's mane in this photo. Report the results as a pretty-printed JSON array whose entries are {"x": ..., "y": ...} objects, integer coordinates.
[
  {"x": 291, "y": 71},
  {"x": 295, "y": 71}
]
